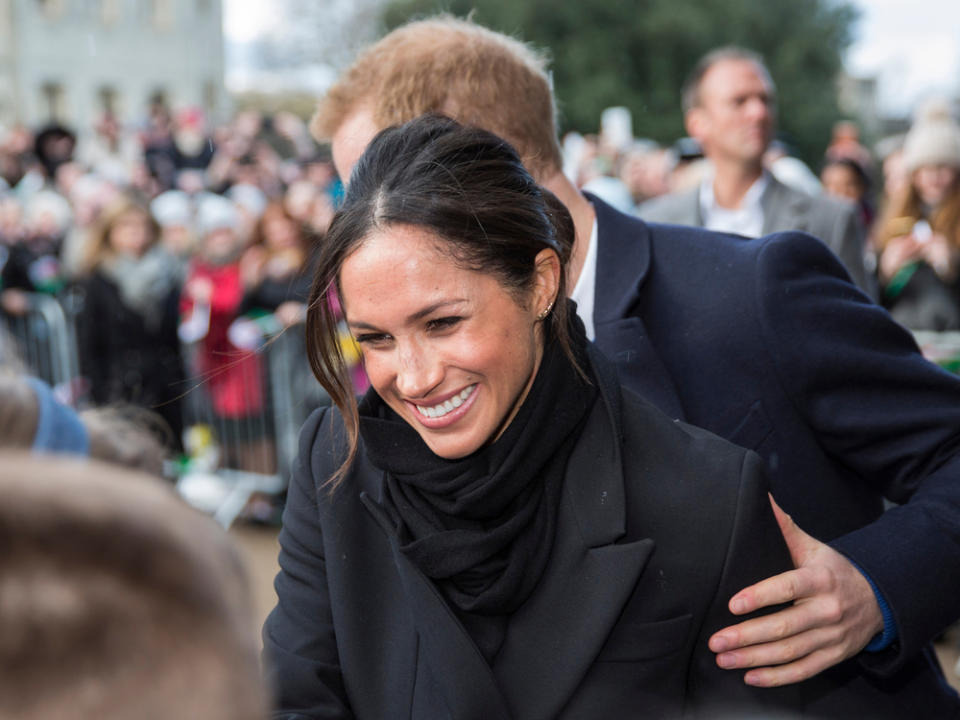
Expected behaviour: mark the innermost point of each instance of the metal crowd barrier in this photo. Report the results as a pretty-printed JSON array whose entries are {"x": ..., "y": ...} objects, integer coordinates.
[
  {"x": 46, "y": 342},
  {"x": 234, "y": 456},
  {"x": 243, "y": 421}
]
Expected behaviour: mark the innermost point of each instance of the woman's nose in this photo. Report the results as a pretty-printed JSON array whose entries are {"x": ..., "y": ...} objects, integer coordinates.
[{"x": 418, "y": 372}]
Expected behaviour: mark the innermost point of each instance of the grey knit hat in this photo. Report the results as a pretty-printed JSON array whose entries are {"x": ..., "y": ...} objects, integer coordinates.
[{"x": 934, "y": 139}]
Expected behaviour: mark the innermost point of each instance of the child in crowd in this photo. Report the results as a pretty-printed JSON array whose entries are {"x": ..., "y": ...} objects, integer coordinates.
[{"x": 231, "y": 376}]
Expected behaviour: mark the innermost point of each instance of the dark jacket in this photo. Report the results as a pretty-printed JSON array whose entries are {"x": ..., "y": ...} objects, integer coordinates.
[
  {"x": 128, "y": 360},
  {"x": 658, "y": 525},
  {"x": 767, "y": 343}
]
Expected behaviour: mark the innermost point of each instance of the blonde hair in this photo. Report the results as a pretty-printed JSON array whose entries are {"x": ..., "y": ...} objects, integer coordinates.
[
  {"x": 906, "y": 208},
  {"x": 447, "y": 65},
  {"x": 98, "y": 241}
]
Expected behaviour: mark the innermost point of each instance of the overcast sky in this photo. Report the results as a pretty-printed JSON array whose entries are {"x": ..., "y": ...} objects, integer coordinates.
[{"x": 913, "y": 46}]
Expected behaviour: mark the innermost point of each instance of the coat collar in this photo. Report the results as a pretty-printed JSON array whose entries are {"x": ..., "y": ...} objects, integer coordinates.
[
  {"x": 553, "y": 638},
  {"x": 784, "y": 208},
  {"x": 623, "y": 266}
]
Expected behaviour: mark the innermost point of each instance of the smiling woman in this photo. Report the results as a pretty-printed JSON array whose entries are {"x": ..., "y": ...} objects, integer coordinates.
[{"x": 475, "y": 538}]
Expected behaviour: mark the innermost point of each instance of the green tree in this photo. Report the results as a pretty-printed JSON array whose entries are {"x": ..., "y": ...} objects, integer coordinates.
[{"x": 637, "y": 54}]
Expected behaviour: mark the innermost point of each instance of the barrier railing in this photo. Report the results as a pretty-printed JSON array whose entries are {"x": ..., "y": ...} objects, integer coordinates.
[
  {"x": 242, "y": 434},
  {"x": 243, "y": 420},
  {"x": 45, "y": 342}
]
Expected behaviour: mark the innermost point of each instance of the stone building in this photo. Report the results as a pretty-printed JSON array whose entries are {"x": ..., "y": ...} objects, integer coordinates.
[{"x": 71, "y": 60}]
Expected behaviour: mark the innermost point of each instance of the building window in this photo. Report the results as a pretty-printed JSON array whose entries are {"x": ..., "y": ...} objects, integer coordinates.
[
  {"x": 161, "y": 14},
  {"x": 54, "y": 101}
]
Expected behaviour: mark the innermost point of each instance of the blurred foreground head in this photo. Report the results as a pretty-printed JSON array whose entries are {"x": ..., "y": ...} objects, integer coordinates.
[
  {"x": 444, "y": 65},
  {"x": 31, "y": 417},
  {"x": 117, "y": 601}
]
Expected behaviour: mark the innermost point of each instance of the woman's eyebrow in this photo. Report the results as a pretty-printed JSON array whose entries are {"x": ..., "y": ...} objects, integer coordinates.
[{"x": 418, "y": 315}]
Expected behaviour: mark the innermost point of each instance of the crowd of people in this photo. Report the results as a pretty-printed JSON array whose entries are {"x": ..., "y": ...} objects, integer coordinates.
[
  {"x": 552, "y": 500},
  {"x": 164, "y": 237},
  {"x": 905, "y": 194}
]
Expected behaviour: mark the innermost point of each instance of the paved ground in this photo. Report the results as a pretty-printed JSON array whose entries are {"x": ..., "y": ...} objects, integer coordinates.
[{"x": 259, "y": 546}]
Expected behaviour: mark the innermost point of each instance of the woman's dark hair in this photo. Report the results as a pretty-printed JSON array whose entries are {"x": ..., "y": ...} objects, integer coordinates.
[{"x": 465, "y": 185}]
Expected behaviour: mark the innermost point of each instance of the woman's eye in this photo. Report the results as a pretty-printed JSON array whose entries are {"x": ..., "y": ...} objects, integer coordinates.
[
  {"x": 443, "y": 323},
  {"x": 372, "y": 338}
]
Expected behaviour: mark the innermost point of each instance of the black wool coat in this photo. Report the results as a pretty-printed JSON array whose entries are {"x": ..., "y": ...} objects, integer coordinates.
[{"x": 659, "y": 524}]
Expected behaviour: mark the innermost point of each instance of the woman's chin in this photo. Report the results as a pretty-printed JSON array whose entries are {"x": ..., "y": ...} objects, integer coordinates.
[{"x": 451, "y": 448}]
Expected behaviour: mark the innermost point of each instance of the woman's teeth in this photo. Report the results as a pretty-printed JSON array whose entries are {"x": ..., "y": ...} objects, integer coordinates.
[{"x": 445, "y": 407}]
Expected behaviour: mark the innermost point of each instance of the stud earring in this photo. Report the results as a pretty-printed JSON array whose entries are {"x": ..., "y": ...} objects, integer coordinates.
[{"x": 545, "y": 312}]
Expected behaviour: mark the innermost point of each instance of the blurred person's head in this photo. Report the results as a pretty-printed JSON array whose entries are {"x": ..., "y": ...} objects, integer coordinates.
[
  {"x": 125, "y": 229},
  {"x": 248, "y": 123},
  {"x": 319, "y": 170},
  {"x": 729, "y": 107},
  {"x": 117, "y": 600},
  {"x": 190, "y": 132},
  {"x": 931, "y": 154},
  {"x": 277, "y": 230},
  {"x": 844, "y": 178},
  {"x": 53, "y": 146},
  {"x": 12, "y": 167},
  {"x": 47, "y": 215},
  {"x": 299, "y": 199},
  {"x": 32, "y": 417},
  {"x": 931, "y": 166},
  {"x": 645, "y": 170},
  {"x": 173, "y": 211},
  {"x": 218, "y": 227},
  {"x": 66, "y": 175},
  {"x": 250, "y": 201},
  {"x": 89, "y": 195},
  {"x": 451, "y": 66}
]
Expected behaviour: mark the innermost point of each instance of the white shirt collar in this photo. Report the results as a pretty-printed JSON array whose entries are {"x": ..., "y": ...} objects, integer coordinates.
[
  {"x": 745, "y": 220},
  {"x": 584, "y": 291}
]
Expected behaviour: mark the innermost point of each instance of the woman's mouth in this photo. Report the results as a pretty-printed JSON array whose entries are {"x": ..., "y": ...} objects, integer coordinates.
[
  {"x": 447, "y": 412},
  {"x": 441, "y": 409}
]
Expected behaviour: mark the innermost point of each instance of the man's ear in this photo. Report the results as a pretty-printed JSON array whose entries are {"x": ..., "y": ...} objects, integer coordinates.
[{"x": 695, "y": 121}]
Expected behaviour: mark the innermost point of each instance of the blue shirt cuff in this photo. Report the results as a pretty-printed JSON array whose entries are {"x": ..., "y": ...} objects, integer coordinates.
[{"x": 882, "y": 640}]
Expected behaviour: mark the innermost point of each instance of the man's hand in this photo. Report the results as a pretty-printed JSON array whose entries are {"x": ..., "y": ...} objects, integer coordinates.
[{"x": 833, "y": 617}]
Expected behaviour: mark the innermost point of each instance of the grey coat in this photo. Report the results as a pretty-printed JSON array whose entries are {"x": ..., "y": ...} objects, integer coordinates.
[{"x": 831, "y": 220}]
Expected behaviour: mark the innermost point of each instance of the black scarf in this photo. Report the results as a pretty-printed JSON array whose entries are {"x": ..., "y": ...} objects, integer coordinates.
[{"x": 482, "y": 527}]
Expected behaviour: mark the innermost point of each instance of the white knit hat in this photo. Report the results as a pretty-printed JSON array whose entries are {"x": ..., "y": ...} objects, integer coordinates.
[
  {"x": 934, "y": 138},
  {"x": 215, "y": 212}
]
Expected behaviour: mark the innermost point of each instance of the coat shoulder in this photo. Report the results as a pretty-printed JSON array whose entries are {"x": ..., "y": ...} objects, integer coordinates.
[{"x": 699, "y": 463}]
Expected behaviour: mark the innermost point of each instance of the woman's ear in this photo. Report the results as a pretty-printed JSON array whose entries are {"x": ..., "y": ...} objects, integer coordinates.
[{"x": 546, "y": 281}]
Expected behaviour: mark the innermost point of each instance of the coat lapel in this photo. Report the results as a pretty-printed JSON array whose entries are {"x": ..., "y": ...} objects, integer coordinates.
[
  {"x": 623, "y": 262},
  {"x": 459, "y": 671},
  {"x": 553, "y": 639},
  {"x": 783, "y": 209}
]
